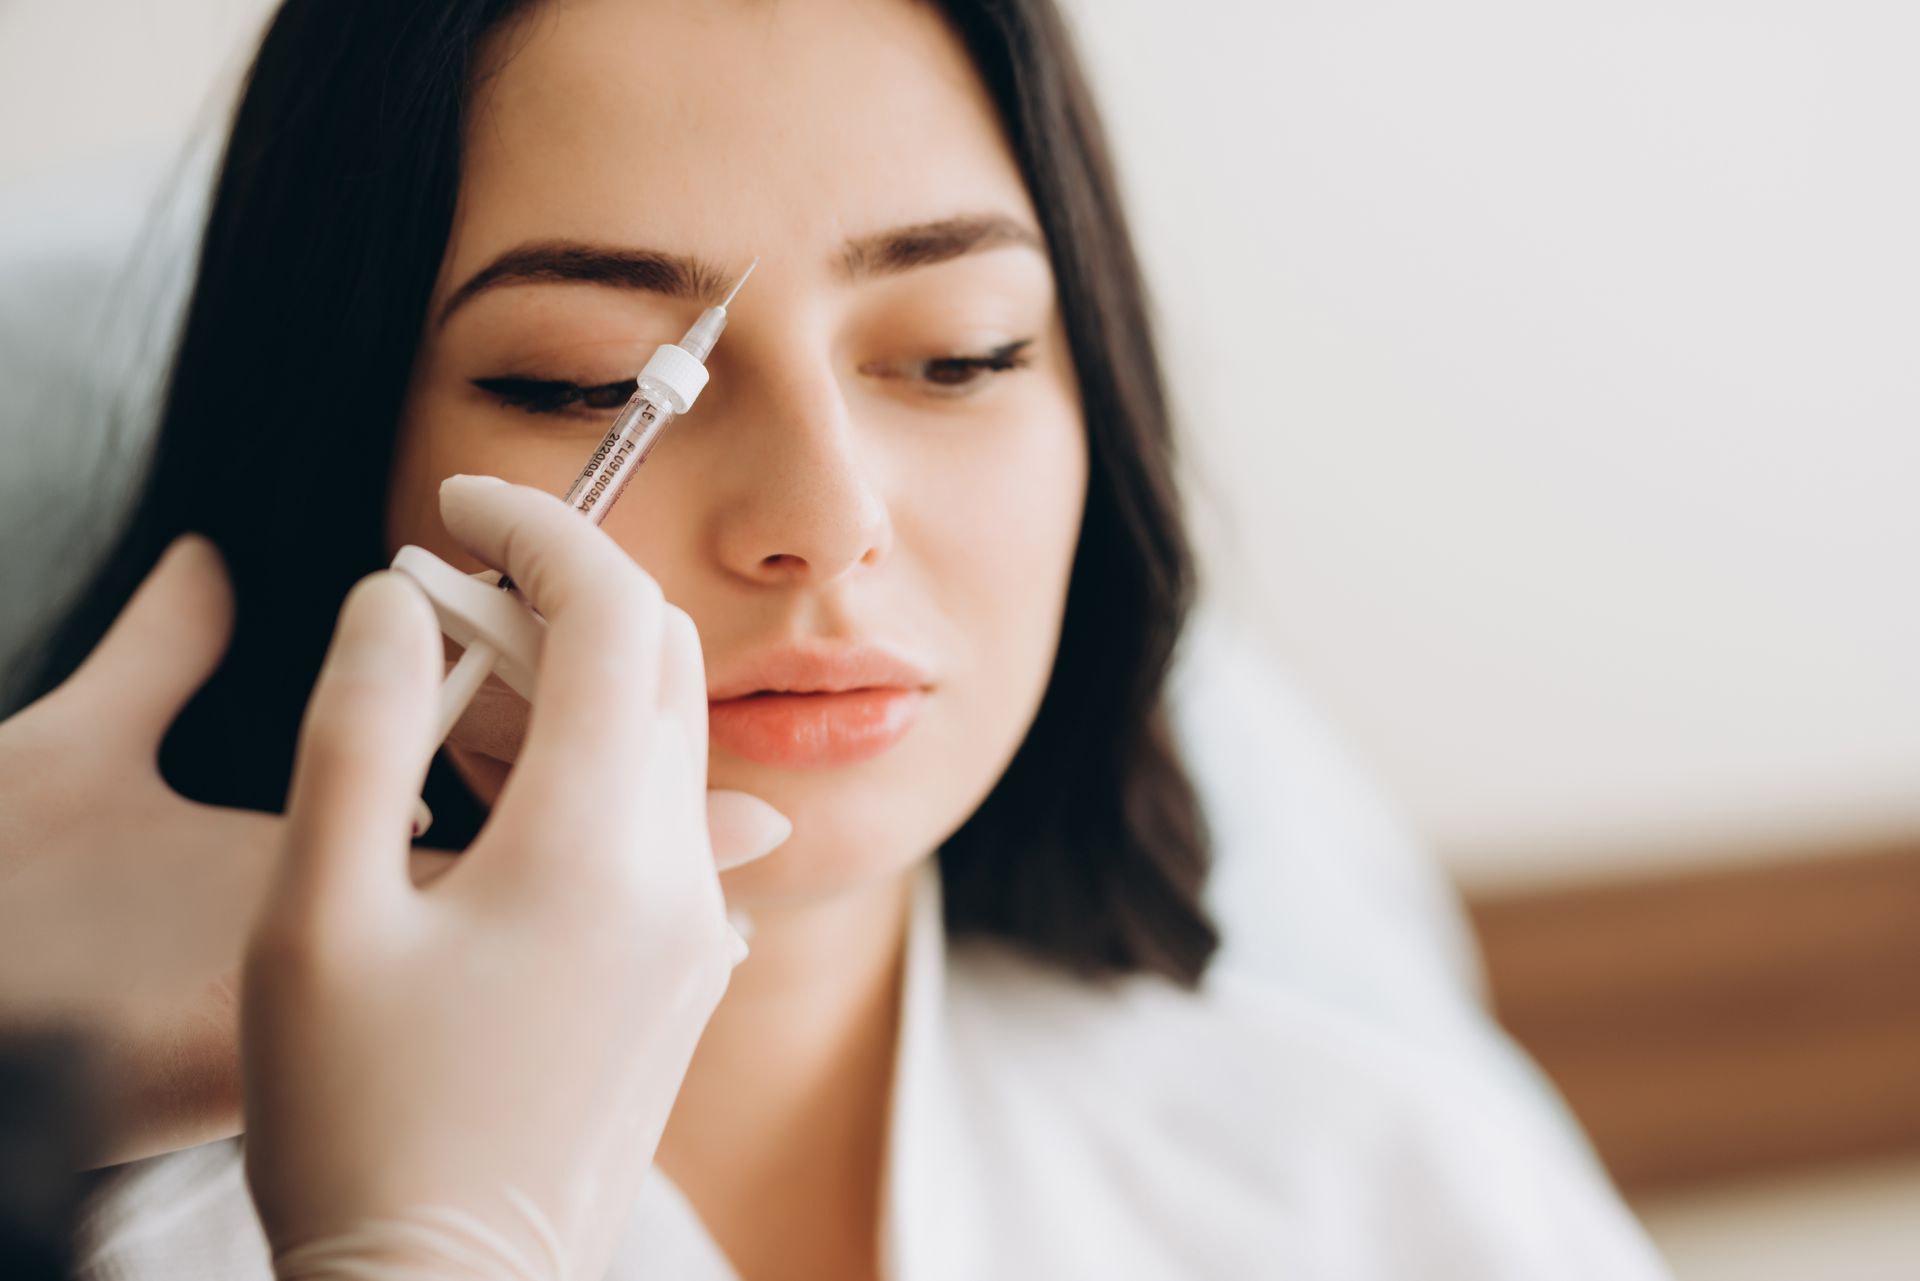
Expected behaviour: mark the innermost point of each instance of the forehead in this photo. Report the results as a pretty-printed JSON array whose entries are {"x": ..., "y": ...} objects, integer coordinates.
[{"x": 727, "y": 128}]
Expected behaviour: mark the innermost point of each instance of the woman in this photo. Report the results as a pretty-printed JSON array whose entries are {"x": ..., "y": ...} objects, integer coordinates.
[{"x": 934, "y": 463}]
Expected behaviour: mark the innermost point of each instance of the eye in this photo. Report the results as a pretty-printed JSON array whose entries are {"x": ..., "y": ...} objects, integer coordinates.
[
  {"x": 553, "y": 396},
  {"x": 954, "y": 375}
]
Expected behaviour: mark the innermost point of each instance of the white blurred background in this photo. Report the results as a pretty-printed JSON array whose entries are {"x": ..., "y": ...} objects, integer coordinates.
[
  {"x": 1555, "y": 368},
  {"x": 1549, "y": 375}
]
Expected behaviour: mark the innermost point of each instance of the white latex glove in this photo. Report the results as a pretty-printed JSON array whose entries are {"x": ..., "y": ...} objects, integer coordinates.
[
  {"x": 124, "y": 906},
  {"x": 520, "y": 1028}
]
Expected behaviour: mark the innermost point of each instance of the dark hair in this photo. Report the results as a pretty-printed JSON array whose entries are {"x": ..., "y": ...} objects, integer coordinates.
[{"x": 325, "y": 237}]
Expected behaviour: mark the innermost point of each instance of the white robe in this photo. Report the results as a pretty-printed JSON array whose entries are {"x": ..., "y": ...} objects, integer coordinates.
[{"x": 1042, "y": 1126}]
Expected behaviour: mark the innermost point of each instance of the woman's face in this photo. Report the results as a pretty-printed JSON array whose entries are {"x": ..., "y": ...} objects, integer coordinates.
[{"x": 890, "y": 455}]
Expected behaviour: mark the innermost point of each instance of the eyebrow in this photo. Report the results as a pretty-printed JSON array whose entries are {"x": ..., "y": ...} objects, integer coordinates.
[
  {"x": 673, "y": 275},
  {"x": 924, "y": 243}
]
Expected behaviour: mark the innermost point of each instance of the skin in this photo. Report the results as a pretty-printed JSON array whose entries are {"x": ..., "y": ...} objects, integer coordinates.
[{"x": 824, "y": 487}]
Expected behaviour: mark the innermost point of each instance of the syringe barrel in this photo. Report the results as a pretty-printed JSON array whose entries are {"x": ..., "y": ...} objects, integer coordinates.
[{"x": 621, "y": 451}]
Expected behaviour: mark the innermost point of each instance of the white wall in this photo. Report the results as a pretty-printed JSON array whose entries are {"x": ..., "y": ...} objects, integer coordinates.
[
  {"x": 1558, "y": 371},
  {"x": 1550, "y": 373},
  {"x": 79, "y": 77}
]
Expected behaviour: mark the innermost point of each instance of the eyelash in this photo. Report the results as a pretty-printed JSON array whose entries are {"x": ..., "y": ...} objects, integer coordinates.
[
  {"x": 557, "y": 396},
  {"x": 552, "y": 396},
  {"x": 998, "y": 361}
]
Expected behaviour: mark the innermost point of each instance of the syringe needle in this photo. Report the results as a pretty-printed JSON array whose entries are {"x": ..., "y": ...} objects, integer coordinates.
[{"x": 736, "y": 284}]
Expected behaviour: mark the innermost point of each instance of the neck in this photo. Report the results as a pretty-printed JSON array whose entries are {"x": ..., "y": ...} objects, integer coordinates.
[
  {"x": 785, "y": 1101},
  {"x": 778, "y": 1137}
]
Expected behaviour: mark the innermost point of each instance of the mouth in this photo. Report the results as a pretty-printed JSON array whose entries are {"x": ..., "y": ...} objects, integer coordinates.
[
  {"x": 809, "y": 730},
  {"x": 796, "y": 706}
]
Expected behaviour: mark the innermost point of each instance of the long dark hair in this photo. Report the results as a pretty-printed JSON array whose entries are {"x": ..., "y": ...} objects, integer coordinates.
[{"x": 326, "y": 233}]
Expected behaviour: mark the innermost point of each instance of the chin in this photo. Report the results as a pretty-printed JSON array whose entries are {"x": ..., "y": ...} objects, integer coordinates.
[
  {"x": 849, "y": 834},
  {"x": 810, "y": 869}
]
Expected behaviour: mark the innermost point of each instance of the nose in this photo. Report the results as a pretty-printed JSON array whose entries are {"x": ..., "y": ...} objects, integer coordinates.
[{"x": 800, "y": 507}]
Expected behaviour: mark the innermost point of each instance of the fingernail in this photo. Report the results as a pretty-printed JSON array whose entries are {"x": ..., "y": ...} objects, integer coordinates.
[
  {"x": 779, "y": 828},
  {"x": 463, "y": 478},
  {"x": 742, "y": 923},
  {"x": 750, "y": 829},
  {"x": 422, "y": 818},
  {"x": 461, "y": 495},
  {"x": 737, "y": 948},
  {"x": 776, "y": 832}
]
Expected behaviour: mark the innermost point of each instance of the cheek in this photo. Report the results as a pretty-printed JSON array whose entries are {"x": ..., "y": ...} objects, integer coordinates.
[
  {"x": 438, "y": 440},
  {"x": 998, "y": 528}
]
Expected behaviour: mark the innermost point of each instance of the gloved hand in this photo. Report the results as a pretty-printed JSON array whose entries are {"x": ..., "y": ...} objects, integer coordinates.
[
  {"x": 126, "y": 906},
  {"x": 502, "y": 1048}
]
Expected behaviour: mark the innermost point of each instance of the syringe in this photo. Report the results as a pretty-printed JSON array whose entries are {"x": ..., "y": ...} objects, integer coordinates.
[{"x": 667, "y": 387}]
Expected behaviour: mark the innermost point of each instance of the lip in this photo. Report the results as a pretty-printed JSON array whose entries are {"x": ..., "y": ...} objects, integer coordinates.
[
  {"x": 818, "y": 669},
  {"x": 812, "y": 706}
]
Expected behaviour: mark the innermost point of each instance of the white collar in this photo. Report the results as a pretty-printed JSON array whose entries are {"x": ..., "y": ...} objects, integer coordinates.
[
  {"x": 1042, "y": 1126},
  {"x": 187, "y": 1214},
  {"x": 928, "y": 1232}
]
